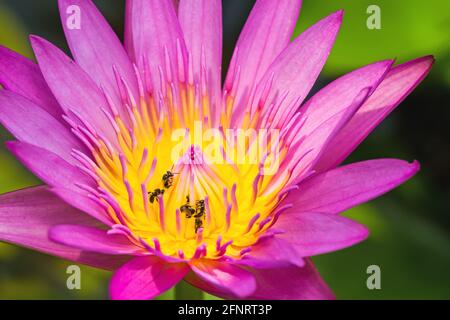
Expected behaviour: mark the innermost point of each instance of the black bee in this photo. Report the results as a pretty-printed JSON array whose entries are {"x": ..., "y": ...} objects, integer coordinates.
[
  {"x": 199, "y": 208},
  {"x": 199, "y": 214},
  {"x": 154, "y": 195},
  {"x": 187, "y": 208},
  {"x": 198, "y": 224},
  {"x": 168, "y": 179}
]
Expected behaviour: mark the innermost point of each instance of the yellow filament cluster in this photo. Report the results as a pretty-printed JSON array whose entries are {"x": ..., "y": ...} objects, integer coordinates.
[{"x": 239, "y": 199}]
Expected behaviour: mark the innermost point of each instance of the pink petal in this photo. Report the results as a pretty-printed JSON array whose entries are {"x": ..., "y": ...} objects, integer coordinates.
[
  {"x": 152, "y": 29},
  {"x": 145, "y": 277},
  {"x": 397, "y": 85},
  {"x": 297, "y": 68},
  {"x": 63, "y": 177},
  {"x": 311, "y": 148},
  {"x": 93, "y": 240},
  {"x": 201, "y": 22},
  {"x": 224, "y": 277},
  {"x": 292, "y": 283},
  {"x": 289, "y": 283},
  {"x": 272, "y": 253},
  {"x": 32, "y": 124},
  {"x": 316, "y": 233},
  {"x": 48, "y": 166},
  {"x": 27, "y": 215},
  {"x": 96, "y": 48},
  {"x": 82, "y": 202},
  {"x": 340, "y": 93},
  {"x": 22, "y": 76},
  {"x": 72, "y": 87},
  {"x": 325, "y": 113},
  {"x": 340, "y": 189},
  {"x": 266, "y": 34}
]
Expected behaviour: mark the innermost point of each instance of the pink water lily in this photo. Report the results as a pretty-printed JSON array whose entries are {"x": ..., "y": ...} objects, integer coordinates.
[{"x": 98, "y": 131}]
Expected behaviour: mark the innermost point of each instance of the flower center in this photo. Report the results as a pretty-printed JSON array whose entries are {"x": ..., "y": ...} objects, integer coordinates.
[{"x": 177, "y": 184}]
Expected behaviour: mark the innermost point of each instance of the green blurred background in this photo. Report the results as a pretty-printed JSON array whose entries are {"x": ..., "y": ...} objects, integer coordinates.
[{"x": 409, "y": 227}]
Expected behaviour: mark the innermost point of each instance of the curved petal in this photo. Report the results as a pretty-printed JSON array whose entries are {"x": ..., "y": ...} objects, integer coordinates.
[
  {"x": 73, "y": 88},
  {"x": 201, "y": 23},
  {"x": 340, "y": 189},
  {"x": 32, "y": 124},
  {"x": 145, "y": 277},
  {"x": 96, "y": 48},
  {"x": 49, "y": 167},
  {"x": 312, "y": 145},
  {"x": 225, "y": 277},
  {"x": 397, "y": 85},
  {"x": 27, "y": 215},
  {"x": 330, "y": 103},
  {"x": 84, "y": 203},
  {"x": 316, "y": 233},
  {"x": 152, "y": 34},
  {"x": 93, "y": 240},
  {"x": 272, "y": 253},
  {"x": 266, "y": 34},
  {"x": 290, "y": 283},
  {"x": 22, "y": 76},
  {"x": 340, "y": 93},
  {"x": 296, "y": 69}
]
